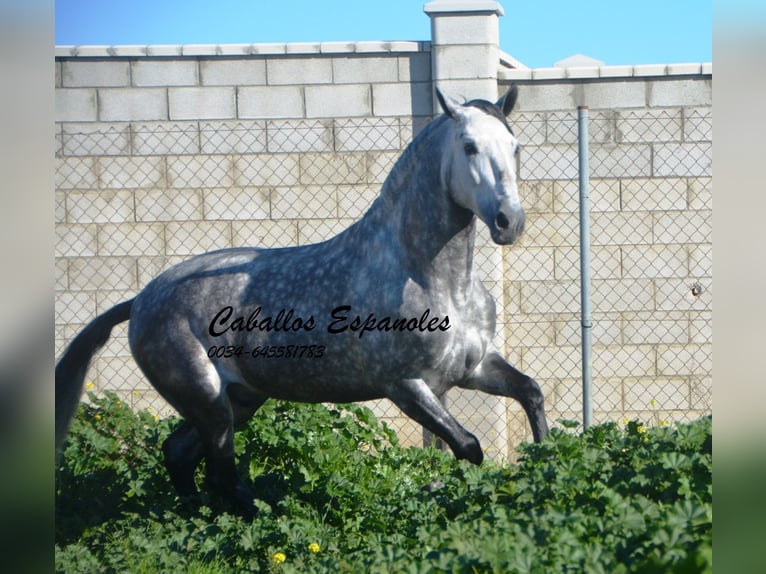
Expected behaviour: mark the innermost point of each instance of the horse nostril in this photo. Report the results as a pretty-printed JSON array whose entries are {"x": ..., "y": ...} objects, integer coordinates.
[{"x": 502, "y": 221}]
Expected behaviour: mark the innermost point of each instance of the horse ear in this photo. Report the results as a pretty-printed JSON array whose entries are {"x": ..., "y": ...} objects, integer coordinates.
[
  {"x": 448, "y": 105},
  {"x": 508, "y": 101}
]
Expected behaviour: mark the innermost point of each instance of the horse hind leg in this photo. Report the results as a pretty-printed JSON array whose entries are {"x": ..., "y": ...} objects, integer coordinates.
[{"x": 183, "y": 452}]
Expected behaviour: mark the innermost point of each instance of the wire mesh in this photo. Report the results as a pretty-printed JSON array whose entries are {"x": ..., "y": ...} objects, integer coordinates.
[{"x": 133, "y": 199}]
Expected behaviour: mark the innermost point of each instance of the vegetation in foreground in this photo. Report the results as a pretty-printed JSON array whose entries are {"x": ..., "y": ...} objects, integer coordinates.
[{"x": 338, "y": 494}]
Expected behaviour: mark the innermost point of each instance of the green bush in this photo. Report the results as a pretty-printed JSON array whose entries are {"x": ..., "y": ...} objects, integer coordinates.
[{"x": 338, "y": 494}]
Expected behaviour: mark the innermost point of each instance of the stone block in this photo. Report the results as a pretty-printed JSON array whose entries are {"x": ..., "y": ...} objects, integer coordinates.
[
  {"x": 236, "y": 203},
  {"x": 98, "y": 273},
  {"x": 677, "y": 294},
  {"x": 202, "y": 103},
  {"x": 652, "y": 395},
  {"x": 534, "y": 263},
  {"x": 529, "y": 127},
  {"x": 200, "y": 171},
  {"x": 264, "y": 233},
  {"x": 549, "y": 297},
  {"x": 606, "y": 262},
  {"x": 310, "y": 202},
  {"x": 622, "y": 228},
  {"x": 60, "y": 207},
  {"x": 165, "y": 138},
  {"x": 298, "y": 71},
  {"x": 655, "y": 327},
  {"x": 88, "y": 139},
  {"x": 612, "y": 160},
  {"x": 193, "y": 237},
  {"x": 324, "y": 169},
  {"x": 415, "y": 68},
  {"x": 75, "y": 240},
  {"x": 607, "y": 395},
  {"x": 233, "y": 137},
  {"x": 263, "y": 170},
  {"x": 131, "y": 172},
  {"x": 536, "y": 196},
  {"x": 465, "y": 62},
  {"x": 655, "y": 261},
  {"x": 606, "y": 329},
  {"x": 701, "y": 327},
  {"x": 698, "y": 124},
  {"x": 647, "y": 126},
  {"x": 168, "y": 205},
  {"x": 466, "y": 30},
  {"x": 647, "y": 70},
  {"x": 684, "y": 159},
  {"x": 104, "y": 206},
  {"x": 132, "y": 104},
  {"x": 682, "y": 227},
  {"x": 151, "y": 266},
  {"x": 165, "y": 73},
  {"x": 654, "y": 194},
  {"x": 530, "y": 331},
  {"x": 76, "y": 105},
  {"x": 270, "y": 102},
  {"x": 74, "y": 307},
  {"x": 549, "y": 73},
  {"x": 233, "y": 72},
  {"x": 610, "y": 94},
  {"x": 365, "y": 69},
  {"x": 624, "y": 361},
  {"x": 95, "y": 74},
  {"x": 316, "y": 230},
  {"x": 549, "y": 162},
  {"x": 75, "y": 173},
  {"x": 61, "y": 275},
  {"x": 379, "y": 166},
  {"x": 401, "y": 99},
  {"x": 545, "y": 363},
  {"x": 701, "y": 260},
  {"x": 365, "y": 134},
  {"x": 131, "y": 239},
  {"x": 680, "y": 92},
  {"x": 604, "y": 195},
  {"x": 348, "y": 100},
  {"x": 543, "y": 230},
  {"x": 702, "y": 394},
  {"x": 300, "y": 136},
  {"x": 620, "y": 295},
  {"x": 354, "y": 201}
]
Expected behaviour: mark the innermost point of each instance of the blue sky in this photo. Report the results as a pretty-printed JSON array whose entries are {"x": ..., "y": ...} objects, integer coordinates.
[{"x": 538, "y": 33}]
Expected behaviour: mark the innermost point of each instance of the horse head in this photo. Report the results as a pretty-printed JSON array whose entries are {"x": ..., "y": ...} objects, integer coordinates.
[{"x": 479, "y": 163}]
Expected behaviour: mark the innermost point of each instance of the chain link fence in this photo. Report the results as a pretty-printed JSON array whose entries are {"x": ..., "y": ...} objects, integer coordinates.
[{"x": 133, "y": 199}]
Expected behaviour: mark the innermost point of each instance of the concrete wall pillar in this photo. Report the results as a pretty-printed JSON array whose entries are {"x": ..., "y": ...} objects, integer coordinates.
[{"x": 465, "y": 47}]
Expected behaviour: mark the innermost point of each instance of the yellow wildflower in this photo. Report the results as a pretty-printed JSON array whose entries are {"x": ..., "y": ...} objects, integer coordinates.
[
  {"x": 314, "y": 547},
  {"x": 97, "y": 417},
  {"x": 89, "y": 386},
  {"x": 279, "y": 557}
]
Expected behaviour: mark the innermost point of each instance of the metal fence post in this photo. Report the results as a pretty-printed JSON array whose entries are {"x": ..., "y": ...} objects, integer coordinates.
[{"x": 585, "y": 310}]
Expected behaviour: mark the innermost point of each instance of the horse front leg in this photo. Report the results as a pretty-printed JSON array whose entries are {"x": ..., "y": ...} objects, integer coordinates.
[
  {"x": 419, "y": 403},
  {"x": 496, "y": 376}
]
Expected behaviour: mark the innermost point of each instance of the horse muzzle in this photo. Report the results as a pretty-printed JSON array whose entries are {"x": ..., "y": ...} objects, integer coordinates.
[{"x": 508, "y": 225}]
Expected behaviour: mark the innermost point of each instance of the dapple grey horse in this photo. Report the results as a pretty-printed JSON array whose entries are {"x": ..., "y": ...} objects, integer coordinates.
[{"x": 391, "y": 307}]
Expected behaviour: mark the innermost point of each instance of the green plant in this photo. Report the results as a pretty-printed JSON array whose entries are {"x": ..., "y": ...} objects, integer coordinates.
[{"x": 337, "y": 493}]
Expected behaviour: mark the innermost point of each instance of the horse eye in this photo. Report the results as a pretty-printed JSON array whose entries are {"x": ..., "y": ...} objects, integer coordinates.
[{"x": 470, "y": 148}]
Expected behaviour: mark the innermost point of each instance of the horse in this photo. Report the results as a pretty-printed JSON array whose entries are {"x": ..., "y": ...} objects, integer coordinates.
[{"x": 391, "y": 307}]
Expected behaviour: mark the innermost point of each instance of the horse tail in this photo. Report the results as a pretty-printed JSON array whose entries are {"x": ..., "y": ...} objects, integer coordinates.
[{"x": 73, "y": 365}]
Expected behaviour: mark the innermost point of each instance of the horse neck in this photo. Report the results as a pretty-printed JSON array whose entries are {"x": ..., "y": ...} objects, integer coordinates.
[{"x": 432, "y": 235}]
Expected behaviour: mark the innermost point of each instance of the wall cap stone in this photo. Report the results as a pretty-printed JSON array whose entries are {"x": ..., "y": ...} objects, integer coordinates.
[
  {"x": 207, "y": 50},
  {"x": 640, "y": 71}
]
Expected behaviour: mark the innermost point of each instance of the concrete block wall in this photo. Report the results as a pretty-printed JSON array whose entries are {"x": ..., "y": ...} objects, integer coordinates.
[
  {"x": 167, "y": 151},
  {"x": 651, "y": 236}
]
